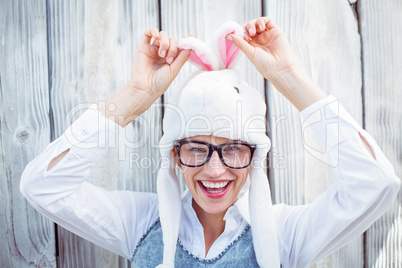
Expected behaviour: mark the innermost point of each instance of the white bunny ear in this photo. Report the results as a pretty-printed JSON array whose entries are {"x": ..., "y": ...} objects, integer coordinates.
[
  {"x": 227, "y": 51},
  {"x": 203, "y": 56}
]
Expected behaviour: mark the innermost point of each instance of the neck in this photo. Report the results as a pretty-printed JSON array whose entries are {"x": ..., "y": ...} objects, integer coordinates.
[{"x": 213, "y": 225}]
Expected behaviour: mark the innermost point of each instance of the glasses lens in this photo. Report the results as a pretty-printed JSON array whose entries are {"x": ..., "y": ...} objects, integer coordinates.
[
  {"x": 193, "y": 154},
  {"x": 236, "y": 155}
]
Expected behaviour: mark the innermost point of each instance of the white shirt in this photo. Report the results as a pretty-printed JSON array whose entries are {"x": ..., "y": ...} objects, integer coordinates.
[{"x": 116, "y": 220}]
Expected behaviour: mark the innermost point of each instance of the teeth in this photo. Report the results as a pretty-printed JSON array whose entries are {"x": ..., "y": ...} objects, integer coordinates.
[
  {"x": 214, "y": 184},
  {"x": 214, "y": 192}
]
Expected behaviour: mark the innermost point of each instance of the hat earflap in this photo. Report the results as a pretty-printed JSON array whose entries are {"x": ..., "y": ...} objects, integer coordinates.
[
  {"x": 169, "y": 208},
  {"x": 262, "y": 219}
]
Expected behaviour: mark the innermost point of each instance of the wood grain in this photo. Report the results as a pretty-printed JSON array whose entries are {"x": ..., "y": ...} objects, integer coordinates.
[
  {"x": 92, "y": 50},
  {"x": 382, "y": 60},
  {"x": 324, "y": 44},
  {"x": 26, "y": 238}
]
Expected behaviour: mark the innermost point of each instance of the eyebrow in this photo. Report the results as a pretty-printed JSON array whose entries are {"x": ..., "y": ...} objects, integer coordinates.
[{"x": 229, "y": 141}]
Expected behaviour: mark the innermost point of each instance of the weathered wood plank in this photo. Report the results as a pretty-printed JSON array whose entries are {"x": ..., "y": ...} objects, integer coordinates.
[
  {"x": 382, "y": 60},
  {"x": 110, "y": 43},
  {"x": 200, "y": 19},
  {"x": 92, "y": 48},
  {"x": 26, "y": 238},
  {"x": 324, "y": 36}
]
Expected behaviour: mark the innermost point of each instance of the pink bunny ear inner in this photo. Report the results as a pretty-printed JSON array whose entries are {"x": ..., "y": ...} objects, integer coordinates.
[
  {"x": 227, "y": 50},
  {"x": 198, "y": 58}
]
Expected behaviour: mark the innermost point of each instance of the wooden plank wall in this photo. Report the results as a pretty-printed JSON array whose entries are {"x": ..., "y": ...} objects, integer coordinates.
[
  {"x": 92, "y": 50},
  {"x": 381, "y": 41},
  {"x": 26, "y": 237},
  {"x": 297, "y": 176},
  {"x": 59, "y": 56}
]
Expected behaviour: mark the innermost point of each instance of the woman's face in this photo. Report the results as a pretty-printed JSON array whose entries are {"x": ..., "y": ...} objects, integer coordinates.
[{"x": 214, "y": 186}]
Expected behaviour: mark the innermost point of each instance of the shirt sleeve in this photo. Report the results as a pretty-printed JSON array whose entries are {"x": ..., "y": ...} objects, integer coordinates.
[
  {"x": 115, "y": 220},
  {"x": 365, "y": 188}
]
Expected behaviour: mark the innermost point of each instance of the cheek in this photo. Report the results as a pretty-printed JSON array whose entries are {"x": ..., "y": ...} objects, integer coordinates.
[
  {"x": 241, "y": 176},
  {"x": 189, "y": 174},
  {"x": 241, "y": 173}
]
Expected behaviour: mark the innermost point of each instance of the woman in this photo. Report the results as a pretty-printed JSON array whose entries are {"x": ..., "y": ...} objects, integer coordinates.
[{"x": 212, "y": 222}]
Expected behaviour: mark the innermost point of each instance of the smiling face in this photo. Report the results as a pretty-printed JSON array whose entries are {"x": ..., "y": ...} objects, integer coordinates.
[{"x": 214, "y": 186}]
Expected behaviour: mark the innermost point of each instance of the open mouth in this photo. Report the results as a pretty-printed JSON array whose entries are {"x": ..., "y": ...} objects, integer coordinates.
[{"x": 215, "y": 189}]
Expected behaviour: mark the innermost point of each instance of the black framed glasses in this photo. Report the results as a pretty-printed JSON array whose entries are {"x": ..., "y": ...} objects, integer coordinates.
[{"x": 235, "y": 155}]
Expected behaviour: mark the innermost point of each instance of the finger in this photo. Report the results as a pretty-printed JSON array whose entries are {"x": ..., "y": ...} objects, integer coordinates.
[
  {"x": 163, "y": 44},
  {"x": 246, "y": 36},
  {"x": 149, "y": 34},
  {"x": 239, "y": 42},
  {"x": 260, "y": 25},
  {"x": 180, "y": 61},
  {"x": 269, "y": 23},
  {"x": 250, "y": 28},
  {"x": 172, "y": 53},
  {"x": 156, "y": 43}
]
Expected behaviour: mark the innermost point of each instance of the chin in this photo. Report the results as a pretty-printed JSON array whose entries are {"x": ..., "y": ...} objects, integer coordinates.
[
  {"x": 214, "y": 206},
  {"x": 216, "y": 210}
]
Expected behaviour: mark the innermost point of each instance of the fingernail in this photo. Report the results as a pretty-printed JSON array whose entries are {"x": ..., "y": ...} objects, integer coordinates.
[
  {"x": 170, "y": 60},
  {"x": 261, "y": 28},
  {"x": 251, "y": 31},
  {"x": 229, "y": 37},
  {"x": 163, "y": 53}
]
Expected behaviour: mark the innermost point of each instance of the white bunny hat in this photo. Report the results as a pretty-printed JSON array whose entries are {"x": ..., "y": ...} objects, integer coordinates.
[{"x": 215, "y": 101}]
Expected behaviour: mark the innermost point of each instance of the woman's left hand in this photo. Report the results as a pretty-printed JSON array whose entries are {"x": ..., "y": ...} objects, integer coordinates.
[{"x": 266, "y": 47}]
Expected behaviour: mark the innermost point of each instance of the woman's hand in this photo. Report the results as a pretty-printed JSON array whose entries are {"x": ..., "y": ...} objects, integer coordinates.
[
  {"x": 155, "y": 67},
  {"x": 157, "y": 64},
  {"x": 266, "y": 46}
]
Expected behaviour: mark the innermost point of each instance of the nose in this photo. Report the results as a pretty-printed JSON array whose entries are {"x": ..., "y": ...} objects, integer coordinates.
[{"x": 214, "y": 168}]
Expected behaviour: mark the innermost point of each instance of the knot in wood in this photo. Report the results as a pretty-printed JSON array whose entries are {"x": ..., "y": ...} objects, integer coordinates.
[{"x": 22, "y": 135}]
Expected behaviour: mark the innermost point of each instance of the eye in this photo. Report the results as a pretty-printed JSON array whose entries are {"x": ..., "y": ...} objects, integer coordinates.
[
  {"x": 237, "y": 90},
  {"x": 198, "y": 149},
  {"x": 231, "y": 147}
]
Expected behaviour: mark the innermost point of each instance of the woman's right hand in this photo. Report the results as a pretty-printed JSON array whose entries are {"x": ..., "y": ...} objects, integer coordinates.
[
  {"x": 157, "y": 64},
  {"x": 155, "y": 67}
]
